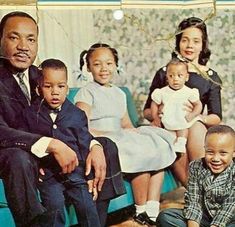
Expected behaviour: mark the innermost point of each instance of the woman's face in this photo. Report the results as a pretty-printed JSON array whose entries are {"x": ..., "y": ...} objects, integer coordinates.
[
  {"x": 102, "y": 65},
  {"x": 191, "y": 44}
]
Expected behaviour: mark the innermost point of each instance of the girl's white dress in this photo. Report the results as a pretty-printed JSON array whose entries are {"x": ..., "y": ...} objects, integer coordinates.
[
  {"x": 173, "y": 117},
  {"x": 146, "y": 148}
]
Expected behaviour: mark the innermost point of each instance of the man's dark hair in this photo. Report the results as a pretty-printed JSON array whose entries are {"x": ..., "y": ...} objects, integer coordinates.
[{"x": 14, "y": 14}]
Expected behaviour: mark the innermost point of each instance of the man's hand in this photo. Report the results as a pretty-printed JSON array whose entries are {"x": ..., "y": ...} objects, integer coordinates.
[
  {"x": 42, "y": 173},
  {"x": 92, "y": 190},
  {"x": 96, "y": 159},
  {"x": 64, "y": 155}
]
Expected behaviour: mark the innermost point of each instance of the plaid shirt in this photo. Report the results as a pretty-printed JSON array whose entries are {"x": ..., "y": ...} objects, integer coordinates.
[{"x": 209, "y": 195}]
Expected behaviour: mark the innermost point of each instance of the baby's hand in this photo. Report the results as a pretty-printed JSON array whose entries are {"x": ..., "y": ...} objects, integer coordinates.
[{"x": 92, "y": 189}]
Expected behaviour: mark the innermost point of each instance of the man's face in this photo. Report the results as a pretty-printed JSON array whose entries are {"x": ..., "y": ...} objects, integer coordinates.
[{"x": 19, "y": 42}]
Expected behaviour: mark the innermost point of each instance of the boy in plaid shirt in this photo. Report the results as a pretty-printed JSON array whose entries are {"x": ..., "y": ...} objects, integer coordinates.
[{"x": 210, "y": 195}]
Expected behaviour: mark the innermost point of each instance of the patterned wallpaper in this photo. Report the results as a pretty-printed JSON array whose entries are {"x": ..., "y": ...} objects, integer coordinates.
[{"x": 143, "y": 40}]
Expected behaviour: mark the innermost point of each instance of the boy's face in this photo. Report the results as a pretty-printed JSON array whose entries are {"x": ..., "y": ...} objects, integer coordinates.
[
  {"x": 54, "y": 86},
  {"x": 177, "y": 75},
  {"x": 219, "y": 151},
  {"x": 19, "y": 42}
]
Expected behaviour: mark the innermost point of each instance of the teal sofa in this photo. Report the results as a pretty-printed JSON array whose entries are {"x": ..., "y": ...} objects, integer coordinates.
[{"x": 121, "y": 202}]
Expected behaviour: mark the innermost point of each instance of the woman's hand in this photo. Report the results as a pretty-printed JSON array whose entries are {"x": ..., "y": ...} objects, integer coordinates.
[
  {"x": 156, "y": 122},
  {"x": 189, "y": 117},
  {"x": 188, "y": 107}
]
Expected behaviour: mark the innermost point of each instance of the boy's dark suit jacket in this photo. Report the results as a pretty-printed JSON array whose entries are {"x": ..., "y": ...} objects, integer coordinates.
[
  {"x": 70, "y": 126},
  {"x": 12, "y": 102}
]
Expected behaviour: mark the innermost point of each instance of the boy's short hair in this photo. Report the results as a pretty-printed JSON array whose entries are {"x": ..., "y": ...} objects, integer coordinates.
[
  {"x": 177, "y": 61},
  {"x": 221, "y": 129},
  {"x": 52, "y": 64}
]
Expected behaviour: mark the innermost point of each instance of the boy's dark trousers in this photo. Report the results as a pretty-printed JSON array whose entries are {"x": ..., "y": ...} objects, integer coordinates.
[{"x": 73, "y": 189}]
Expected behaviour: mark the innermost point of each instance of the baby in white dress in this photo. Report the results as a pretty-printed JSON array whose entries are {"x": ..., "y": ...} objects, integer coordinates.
[{"x": 173, "y": 97}]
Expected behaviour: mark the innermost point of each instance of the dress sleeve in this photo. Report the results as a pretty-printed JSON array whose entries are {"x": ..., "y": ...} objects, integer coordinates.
[
  {"x": 84, "y": 95},
  {"x": 159, "y": 81},
  {"x": 157, "y": 96},
  {"x": 194, "y": 95},
  {"x": 214, "y": 96}
]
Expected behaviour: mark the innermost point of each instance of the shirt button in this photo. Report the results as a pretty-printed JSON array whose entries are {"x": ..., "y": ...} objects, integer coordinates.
[{"x": 54, "y": 126}]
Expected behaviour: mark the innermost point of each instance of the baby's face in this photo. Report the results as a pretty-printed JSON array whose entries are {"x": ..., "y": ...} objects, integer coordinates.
[
  {"x": 176, "y": 75},
  {"x": 219, "y": 151}
]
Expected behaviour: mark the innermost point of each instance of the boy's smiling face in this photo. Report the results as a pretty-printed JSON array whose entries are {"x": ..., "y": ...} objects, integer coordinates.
[{"x": 219, "y": 151}]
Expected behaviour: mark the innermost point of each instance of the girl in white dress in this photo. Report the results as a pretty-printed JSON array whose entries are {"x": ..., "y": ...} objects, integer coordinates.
[
  {"x": 173, "y": 97},
  {"x": 145, "y": 151}
]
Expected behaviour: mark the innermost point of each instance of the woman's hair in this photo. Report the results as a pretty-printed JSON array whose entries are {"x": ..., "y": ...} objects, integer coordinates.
[
  {"x": 89, "y": 52},
  {"x": 200, "y": 24}
]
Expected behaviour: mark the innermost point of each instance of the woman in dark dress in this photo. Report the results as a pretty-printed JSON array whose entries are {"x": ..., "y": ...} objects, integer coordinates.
[{"x": 192, "y": 46}]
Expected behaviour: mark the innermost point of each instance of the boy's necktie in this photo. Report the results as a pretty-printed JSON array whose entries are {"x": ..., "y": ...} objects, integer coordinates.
[{"x": 23, "y": 85}]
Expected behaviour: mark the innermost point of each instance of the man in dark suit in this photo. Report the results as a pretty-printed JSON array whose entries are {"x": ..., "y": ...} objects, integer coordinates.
[{"x": 19, "y": 151}]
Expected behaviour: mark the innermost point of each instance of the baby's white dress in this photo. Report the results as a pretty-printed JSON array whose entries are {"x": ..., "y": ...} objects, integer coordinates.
[{"x": 173, "y": 117}]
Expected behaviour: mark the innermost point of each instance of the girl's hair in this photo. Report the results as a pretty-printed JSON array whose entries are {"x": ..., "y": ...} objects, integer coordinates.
[
  {"x": 89, "y": 52},
  {"x": 200, "y": 24}
]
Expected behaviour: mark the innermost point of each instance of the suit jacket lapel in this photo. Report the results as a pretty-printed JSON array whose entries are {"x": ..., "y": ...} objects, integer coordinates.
[
  {"x": 33, "y": 76},
  {"x": 14, "y": 89},
  {"x": 64, "y": 110},
  {"x": 44, "y": 112}
]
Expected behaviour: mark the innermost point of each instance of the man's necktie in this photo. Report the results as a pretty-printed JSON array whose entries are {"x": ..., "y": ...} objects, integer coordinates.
[{"x": 23, "y": 85}]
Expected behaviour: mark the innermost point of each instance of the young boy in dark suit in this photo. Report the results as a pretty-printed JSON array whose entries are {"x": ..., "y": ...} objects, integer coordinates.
[{"x": 55, "y": 116}]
